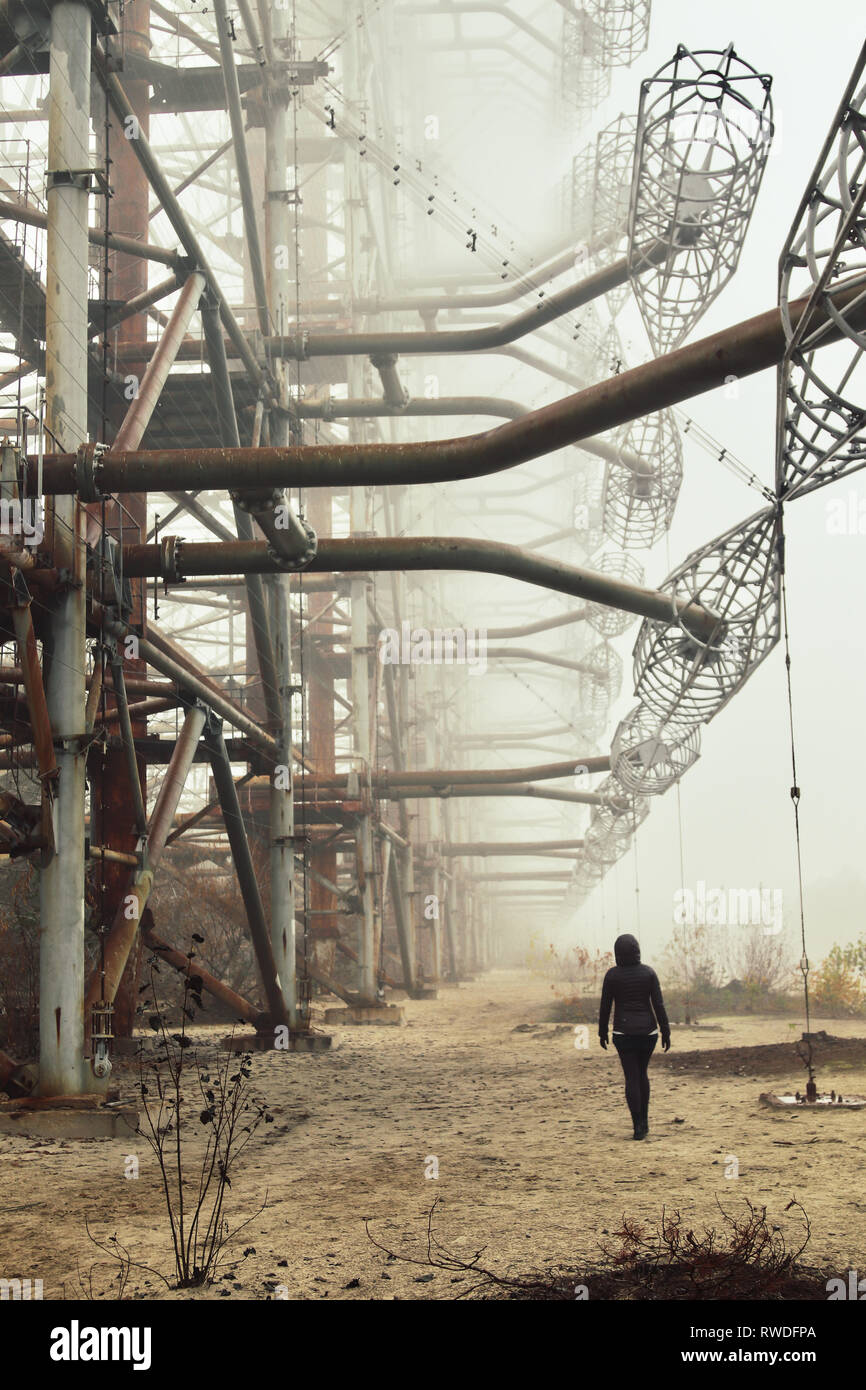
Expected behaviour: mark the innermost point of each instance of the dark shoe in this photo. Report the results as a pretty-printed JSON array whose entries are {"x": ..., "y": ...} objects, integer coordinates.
[{"x": 640, "y": 1132}]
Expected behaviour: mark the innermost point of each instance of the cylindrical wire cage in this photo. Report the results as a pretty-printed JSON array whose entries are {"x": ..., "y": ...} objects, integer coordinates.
[
  {"x": 704, "y": 133},
  {"x": 736, "y": 577}
]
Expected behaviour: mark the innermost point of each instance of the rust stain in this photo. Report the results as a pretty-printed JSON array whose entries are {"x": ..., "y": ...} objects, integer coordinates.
[{"x": 57, "y": 1024}]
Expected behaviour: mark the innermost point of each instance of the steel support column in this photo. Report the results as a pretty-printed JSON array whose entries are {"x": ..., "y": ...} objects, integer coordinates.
[{"x": 61, "y": 947}]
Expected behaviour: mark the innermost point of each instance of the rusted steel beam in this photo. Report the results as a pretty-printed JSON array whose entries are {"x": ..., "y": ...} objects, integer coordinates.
[
  {"x": 181, "y": 962},
  {"x": 212, "y": 808},
  {"x": 428, "y": 553},
  {"x": 739, "y": 351},
  {"x": 31, "y": 677},
  {"x": 553, "y": 307},
  {"x": 123, "y": 714},
  {"x": 577, "y": 615},
  {"x": 129, "y": 246},
  {"x": 138, "y": 416},
  {"x": 483, "y": 849},
  {"x": 462, "y": 789},
  {"x": 246, "y": 875},
  {"x": 519, "y": 876},
  {"x": 117, "y": 815},
  {"x": 137, "y": 305},
  {"x": 105, "y": 980},
  {"x": 382, "y": 778},
  {"x": 150, "y": 164},
  {"x": 113, "y": 856}
]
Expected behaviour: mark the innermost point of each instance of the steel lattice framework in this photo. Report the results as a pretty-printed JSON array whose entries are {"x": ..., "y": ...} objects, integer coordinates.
[
  {"x": 638, "y": 506},
  {"x": 290, "y": 452},
  {"x": 822, "y": 389},
  {"x": 625, "y": 28}
]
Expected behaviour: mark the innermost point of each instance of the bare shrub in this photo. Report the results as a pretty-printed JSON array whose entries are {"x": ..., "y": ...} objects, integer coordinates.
[
  {"x": 179, "y": 1092},
  {"x": 744, "y": 1258}
]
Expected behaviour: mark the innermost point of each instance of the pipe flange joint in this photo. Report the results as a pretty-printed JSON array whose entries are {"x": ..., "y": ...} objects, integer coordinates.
[
  {"x": 304, "y": 558},
  {"x": 260, "y": 501},
  {"x": 88, "y": 466},
  {"x": 170, "y": 553}
]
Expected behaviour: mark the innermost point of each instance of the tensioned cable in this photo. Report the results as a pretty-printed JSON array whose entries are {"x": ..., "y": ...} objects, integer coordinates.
[{"x": 795, "y": 796}]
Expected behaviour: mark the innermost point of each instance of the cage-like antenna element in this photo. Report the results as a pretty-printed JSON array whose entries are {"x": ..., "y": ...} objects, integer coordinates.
[
  {"x": 821, "y": 418},
  {"x": 587, "y": 874},
  {"x": 613, "y": 823},
  {"x": 599, "y": 682},
  {"x": 587, "y": 509},
  {"x": 648, "y": 754},
  {"x": 601, "y": 672},
  {"x": 584, "y": 73},
  {"x": 601, "y": 184},
  {"x": 638, "y": 506},
  {"x": 704, "y": 132},
  {"x": 612, "y": 622},
  {"x": 624, "y": 27},
  {"x": 736, "y": 577}
]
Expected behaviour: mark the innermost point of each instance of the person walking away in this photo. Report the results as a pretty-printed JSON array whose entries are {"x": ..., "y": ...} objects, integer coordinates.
[{"x": 633, "y": 991}]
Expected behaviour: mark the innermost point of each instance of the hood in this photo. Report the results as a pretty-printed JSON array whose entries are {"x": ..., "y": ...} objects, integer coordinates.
[{"x": 626, "y": 950}]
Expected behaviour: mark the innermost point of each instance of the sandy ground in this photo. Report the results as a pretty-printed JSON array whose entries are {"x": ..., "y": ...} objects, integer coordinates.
[{"x": 534, "y": 1149}]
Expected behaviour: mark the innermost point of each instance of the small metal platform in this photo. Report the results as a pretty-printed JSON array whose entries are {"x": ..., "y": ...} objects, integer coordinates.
[
  {"x": 824, "y": 1102},
  {"x": 68, "y": 1117}
]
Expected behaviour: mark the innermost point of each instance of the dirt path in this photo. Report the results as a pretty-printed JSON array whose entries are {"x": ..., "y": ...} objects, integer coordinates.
[{"x": 532, "y": 1139}]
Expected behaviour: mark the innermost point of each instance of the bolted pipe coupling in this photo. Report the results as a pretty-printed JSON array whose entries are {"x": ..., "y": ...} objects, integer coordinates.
[
  {"x": 303, "y": 555},
  {"x": 88, "y": 466},
  {"x": 170, "y": 551}
]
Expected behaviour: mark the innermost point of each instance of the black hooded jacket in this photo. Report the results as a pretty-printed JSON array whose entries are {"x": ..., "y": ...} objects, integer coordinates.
[{"x": 635, "y": 993}]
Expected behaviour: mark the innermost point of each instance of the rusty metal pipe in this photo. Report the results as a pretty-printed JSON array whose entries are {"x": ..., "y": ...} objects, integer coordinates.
[
  {"x": 489, "y": 789},
  {"x": 246, "y": 874},
  {"x": 136, "y": 305},
  {"x": 202, "y": 690},
  {"x": 126, "y": 734},
  {"x": 497, "y": 335},
  {"x": 483, "y": 849},
  {"x": 445, "y": 777},
  {"x": 32, "y": 217},
  {"x": 31, "y": 678},
  {"x": 428, "y": 553},
  {"x": 138, "y": 416},
  {"x": 739, "y": 351},
  {"x": 105, "y": 981},
  {"x": 236, "y": 1002},
  {"x": 577, "y": 615},
  {"x": 460, "y": 405}
]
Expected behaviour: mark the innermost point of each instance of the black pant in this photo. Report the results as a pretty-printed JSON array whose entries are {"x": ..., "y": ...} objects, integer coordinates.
[{"x": 635, "y": 1050}]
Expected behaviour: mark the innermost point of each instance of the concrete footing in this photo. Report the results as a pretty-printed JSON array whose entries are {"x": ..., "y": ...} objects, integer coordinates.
[
  {"x": 377, "y": 1014},
  {"x": 84, "y": 1117},
  {"x": 305, "y": 1040}
]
